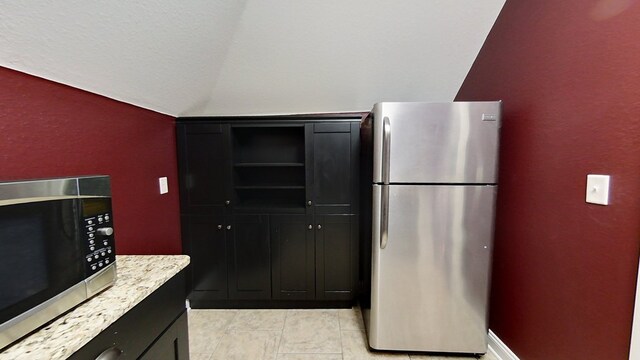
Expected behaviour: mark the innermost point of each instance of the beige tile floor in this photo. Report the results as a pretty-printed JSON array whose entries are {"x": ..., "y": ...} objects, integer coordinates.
[{"x": 336, "y": 334}]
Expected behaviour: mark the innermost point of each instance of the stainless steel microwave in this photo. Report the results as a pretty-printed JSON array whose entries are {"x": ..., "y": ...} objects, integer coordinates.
[{"x": 56, "y": 249}]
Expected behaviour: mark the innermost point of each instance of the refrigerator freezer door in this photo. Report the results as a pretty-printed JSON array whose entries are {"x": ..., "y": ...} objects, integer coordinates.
[
  {"x": 442, "y": 143},
  {"x": 430, "y": 283}
]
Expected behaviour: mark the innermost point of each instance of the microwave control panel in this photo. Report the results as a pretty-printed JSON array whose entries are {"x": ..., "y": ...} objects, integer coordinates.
[{"x": 100, "y": 248}]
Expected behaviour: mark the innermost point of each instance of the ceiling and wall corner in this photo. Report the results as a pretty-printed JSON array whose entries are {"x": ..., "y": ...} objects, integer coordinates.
[
  {"x": 214, "y": 57},
  {"x": 160, "y": 55}
]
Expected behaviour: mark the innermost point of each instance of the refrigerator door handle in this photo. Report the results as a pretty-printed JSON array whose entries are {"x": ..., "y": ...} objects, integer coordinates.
[
  {"x": 384, "y": 217},
  {"x": 386, "y": 149}
]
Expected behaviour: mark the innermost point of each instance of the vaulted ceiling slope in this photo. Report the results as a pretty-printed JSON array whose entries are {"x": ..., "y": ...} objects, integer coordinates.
[{"x": 230, "y": 57}]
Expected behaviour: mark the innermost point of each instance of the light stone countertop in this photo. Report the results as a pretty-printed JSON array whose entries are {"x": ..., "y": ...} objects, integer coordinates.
[{"x": 137, "y": 277}]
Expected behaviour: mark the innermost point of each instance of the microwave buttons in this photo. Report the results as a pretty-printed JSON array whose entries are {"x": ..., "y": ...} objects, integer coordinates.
[
  {"x": 103, "y": 254},
  {"x": 105, "y": 231},
  {"x": 89, "y": 259},
  {"x": 106, "y": 261},
  {"x": 90, "y": 228},
  {"x": 93, "y": 267},
  {"x": 90, "y": 235},
  {"x": 109, "y": 251},
  {"x": 92, "y": 248},
  {"x": 105, "y": 243},
  {"x": 100, "y": 264},
  {"x": 95, "y": 256},
  {"x": 106, "y": 217}
]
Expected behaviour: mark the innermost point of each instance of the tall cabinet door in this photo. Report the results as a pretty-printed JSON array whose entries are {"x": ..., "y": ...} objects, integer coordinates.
[
  {"x": 293, "y": 263},
  {"x": 249, "y": 257},
  {"x": 334, "y": 166},
  {"x": 205, "y": 167},
  {"x": 336, "y": 256},
  {"x": 204, "y": 241}
]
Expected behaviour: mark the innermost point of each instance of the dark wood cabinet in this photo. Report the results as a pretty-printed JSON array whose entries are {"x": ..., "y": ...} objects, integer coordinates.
[
  {"x": 205, "y": 168},
  {"x": 336, "y": 255},
  {"x": 230, "y": 256},
  {"x": 205, "y": 240},
  {"x": 334, "y": 164},
  {"x": 293, "y": 257},
  {"x": 156, "y": 328},
  {"x": 268, "y": 208},
  {"x": 249, "y": 260},
  {"x": 173, "y": 344},
  {"x": 314, "y": 256}
]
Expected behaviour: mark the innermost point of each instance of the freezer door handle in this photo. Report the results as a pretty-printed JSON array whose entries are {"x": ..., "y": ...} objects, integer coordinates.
[
  {"x": 384, "y": 216},
  {"x": 386, "y": 149}
]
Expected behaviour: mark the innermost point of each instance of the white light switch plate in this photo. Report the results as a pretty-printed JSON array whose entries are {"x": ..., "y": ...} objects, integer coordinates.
[
  {"x": 598, "y": 189},
  {"x": 164, "y": 186}
]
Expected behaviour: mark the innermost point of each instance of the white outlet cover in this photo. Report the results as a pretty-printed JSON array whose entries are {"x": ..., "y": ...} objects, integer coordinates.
[
  {"x": 598, "y": 189},
  {"x": 164, "y": 186}
]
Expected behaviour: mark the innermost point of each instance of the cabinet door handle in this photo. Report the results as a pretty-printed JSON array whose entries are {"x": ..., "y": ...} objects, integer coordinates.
[
  {"x": 310, "y": 226},
  {"x": 319, "y": 227},
  {"x": 110, "y": 354},
  {"x": 227, "y": 202},
  {"x": 309, "y": 203},
  {"x": 228, "y": 227},
  {"x": 219, "y": 227}
]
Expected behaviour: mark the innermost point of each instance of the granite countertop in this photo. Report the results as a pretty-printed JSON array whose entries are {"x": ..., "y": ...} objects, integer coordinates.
[{"x": 137, "y": 277}]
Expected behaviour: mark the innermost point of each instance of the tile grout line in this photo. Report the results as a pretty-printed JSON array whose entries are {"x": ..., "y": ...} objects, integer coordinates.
[
  {"x": 226, "y": 332},
  {"x": 341, "y": 341},
  {"x": 284, "y": 324}
]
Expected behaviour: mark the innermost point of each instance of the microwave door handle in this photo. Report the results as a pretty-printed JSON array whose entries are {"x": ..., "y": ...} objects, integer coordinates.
[
  {"x": 386, "y": 149},
  {"x": 111, "y": 353}
]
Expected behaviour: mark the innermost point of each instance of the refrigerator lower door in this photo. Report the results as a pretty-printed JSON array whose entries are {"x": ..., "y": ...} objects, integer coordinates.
[{"x": 430, "y": 280}]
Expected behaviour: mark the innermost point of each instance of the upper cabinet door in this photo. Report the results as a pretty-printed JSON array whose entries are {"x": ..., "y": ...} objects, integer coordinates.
[
  {"x": 333, "y": 173},
  {"x": 438, "y": 143},
  {"x": 205, "y": 167}
]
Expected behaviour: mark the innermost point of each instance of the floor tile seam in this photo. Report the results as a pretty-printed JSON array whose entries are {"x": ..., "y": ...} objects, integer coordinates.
[
  {"x": 224, "y": 334},
  {"x": 342, "y": 343},
  {"x": 235, "y": 314},
  {"x": 284, "y": 325},
  {"x": 252, "y": 330},
  {"x": 310, "y": 353}
]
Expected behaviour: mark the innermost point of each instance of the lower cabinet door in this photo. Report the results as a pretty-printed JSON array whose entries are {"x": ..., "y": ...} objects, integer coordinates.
[
  {"x": 292, "y": 257},
  {"x": 204, "y": 240},
  {"x": 336, "y": 256},
  {"x": 249, "y": 257},
  {"x": 173, "y": 344}
]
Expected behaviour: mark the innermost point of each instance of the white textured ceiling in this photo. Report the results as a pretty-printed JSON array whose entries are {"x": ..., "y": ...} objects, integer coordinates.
[{"x": 213, "y": 57}]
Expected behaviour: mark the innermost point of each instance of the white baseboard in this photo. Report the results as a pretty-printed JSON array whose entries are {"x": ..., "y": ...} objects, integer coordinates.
[{"x": 500, "y": 349}]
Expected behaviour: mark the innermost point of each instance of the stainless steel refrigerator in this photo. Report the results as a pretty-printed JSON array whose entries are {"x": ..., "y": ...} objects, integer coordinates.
[{"x": 434, "y": 184}]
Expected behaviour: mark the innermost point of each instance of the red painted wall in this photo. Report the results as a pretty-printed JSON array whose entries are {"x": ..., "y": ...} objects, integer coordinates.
[
  {"x": 52, "y": 130},
  {"x": 564, "y": 271}
]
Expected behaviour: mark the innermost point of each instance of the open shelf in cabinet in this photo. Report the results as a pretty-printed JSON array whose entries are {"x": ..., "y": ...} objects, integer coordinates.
[
  {"x": 268, "y": 145},
  {"x": 271, "y": 198},
  {"x": 269, "y": 168}
]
